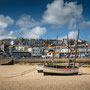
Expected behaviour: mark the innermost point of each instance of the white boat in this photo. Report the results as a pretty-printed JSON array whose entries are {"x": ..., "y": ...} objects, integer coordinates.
[
  {"x": 64, "y": 70},
  {"x": 40, "y": 68}
]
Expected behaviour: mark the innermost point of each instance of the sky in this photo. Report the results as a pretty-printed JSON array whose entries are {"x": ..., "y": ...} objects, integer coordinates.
[{"x": 44, "y": 19}]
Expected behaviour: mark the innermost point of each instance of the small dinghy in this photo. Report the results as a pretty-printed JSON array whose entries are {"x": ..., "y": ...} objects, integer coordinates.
[{"x": 40, "y": 68}]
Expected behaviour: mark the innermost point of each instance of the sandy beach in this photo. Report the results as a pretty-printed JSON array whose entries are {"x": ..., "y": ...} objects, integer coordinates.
[{"x": 25, "y": 77}]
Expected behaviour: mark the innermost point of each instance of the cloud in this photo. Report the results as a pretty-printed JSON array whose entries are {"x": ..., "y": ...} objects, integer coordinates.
[
  {"x": 71, "y": 35},
  {"x": 5, "y": 21},
  {"x": 84, "y": 24},
  {"x": 26, "y": 21},
  {"x": 29, "y": 28},
  {"x": 35, "y": 32},
  {"x": 8, "y": 35},
  {"x": 4, "y": 34},
  {"x": 72, "y": 24},
  {"x": 60, "y": 14}
]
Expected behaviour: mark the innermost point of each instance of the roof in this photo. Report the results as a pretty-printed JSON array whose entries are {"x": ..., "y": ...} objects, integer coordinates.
[
  {"x": 10, "y": 45},
  {"x": 54, "y": 52},
  {"x": 20, "y": 51},
  {"x": 74, "y": 51},
  {"x": 22, "y": 45}
]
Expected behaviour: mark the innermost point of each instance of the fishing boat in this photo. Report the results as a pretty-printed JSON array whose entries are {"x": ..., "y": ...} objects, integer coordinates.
[
  {"x": 51, "y": 68},
  {"x": 60, "y": 70}
]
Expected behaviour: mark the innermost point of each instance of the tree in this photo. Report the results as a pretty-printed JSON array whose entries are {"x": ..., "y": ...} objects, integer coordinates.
[{"x": 71, "y": 42}]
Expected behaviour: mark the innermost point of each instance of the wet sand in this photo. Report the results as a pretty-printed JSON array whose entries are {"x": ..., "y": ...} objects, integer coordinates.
[{"x": 25, "y": 77}]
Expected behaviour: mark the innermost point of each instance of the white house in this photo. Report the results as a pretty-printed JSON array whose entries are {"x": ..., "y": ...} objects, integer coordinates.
[
  {"x": 21, "y": 47},
  {"x": 37, "y": 52},
  {"x": 64, "y": 52}
]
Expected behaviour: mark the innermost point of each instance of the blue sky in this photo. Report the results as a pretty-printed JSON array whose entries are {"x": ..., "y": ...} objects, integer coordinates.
[{"x": 44, "y": 18}]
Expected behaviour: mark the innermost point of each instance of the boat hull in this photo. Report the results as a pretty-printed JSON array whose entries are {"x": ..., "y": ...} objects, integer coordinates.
[
  {"x": 39, "y": 68},
  {"x": 52, "y": 70}
]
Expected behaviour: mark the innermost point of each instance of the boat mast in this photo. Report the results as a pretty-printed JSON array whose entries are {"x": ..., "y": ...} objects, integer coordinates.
[
  {"x": 68, "y": 48},
  {"x": 76, "y": 47},
  {"x": 55, "y": 47}
]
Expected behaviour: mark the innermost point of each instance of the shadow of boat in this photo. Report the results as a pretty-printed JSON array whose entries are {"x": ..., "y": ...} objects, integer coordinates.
[{"x": 9, "y": 63}]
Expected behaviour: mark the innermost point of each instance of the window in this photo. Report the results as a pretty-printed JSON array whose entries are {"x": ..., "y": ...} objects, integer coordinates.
[{"x": 49, "y": 53}]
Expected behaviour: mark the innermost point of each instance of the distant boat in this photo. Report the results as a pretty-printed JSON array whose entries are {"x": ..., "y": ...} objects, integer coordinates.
[
  {"x": 40, "y": 68},
  {"x": 11, "y": 62}
]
